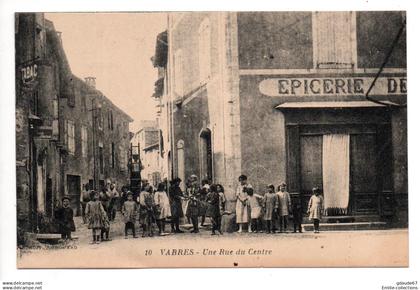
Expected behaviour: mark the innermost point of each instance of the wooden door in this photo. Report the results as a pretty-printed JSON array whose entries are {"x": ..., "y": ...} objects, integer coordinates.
[
  {"x": 310, "y": 165},
  {"x": 74, "y": 190},
  {"x": 363, "y": 174}
]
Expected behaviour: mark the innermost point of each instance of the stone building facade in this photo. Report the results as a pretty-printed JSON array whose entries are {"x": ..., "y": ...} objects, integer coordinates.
[
  {"x": 148, "y": 141},
  {"x": 67, "y": 132},
  {"x": 273, "y": 94}
]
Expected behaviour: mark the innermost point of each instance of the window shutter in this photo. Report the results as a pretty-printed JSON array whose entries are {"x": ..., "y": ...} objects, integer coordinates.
[
  {"x": 179, "y": 77},
  {"x": 333, "y": 40}
]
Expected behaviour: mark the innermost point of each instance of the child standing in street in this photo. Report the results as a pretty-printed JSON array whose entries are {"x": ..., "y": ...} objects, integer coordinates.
[
  {"x": 254, "y": 202},
  {"x": 128, "y": 211},
  {"x": 213, "y": 208},
  {"x": 96, "y": 216},
  {"x": 163, "y": 208},
  {"x": 270, "y": 205},
  {"x": 202, "y": 204},
  {"x": 315, "y": 208},
  {"x": 147, "y": 217},
  {"x": 242, "y": 210},
  {"x": 285, "y": 207},
  {"x": 297, "y": 217},
  {"x": 64, "y": 217},
  {"x": 222, "y": 198}
]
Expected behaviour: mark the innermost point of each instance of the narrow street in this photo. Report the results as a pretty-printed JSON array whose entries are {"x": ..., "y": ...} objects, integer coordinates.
[{"x": 333, "y": 248}]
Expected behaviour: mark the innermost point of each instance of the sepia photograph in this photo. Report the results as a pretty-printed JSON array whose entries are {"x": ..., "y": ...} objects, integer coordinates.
[{"x": 229, "y": 139}]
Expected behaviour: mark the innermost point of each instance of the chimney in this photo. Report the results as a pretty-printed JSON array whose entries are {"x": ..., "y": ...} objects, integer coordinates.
[{"x": 91, "y": 81}]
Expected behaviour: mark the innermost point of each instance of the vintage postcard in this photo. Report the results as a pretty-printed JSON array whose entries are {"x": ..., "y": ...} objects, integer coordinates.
[{"x": 211, "y": 139}]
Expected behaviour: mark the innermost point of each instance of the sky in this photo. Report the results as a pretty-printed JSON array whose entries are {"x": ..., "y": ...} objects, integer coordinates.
[{"x": 116, "y": 48}]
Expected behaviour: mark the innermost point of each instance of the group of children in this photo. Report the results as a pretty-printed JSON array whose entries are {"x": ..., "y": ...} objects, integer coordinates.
[
  {"x": 269, "y": 212},
  {"x": 273, "y": 208}
]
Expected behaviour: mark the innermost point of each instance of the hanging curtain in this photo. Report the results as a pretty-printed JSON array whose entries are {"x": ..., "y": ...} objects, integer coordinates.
[{"x": 336, "y": 173}]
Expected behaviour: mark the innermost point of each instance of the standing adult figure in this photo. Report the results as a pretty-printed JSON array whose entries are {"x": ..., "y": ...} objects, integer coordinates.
[
  {"x": 242, "y": 213},
  {"x": 114, "y": 201},
  {"x": 285, "y": 207},
  {"x": 175, "y": 199},
  {"x": 205, "y": 187},
  {"x": 84, "y": 199},
  {"x": 193, "y": 205},
  {"x": 105, "y": 199},
  {"x": 213, "y": 208}
]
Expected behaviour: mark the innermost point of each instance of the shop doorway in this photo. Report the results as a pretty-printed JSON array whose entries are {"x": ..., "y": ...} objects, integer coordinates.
[
  {"x": 73, "y": 191},
  {"x": 49, "y": 197},
  {"x": 344, "y": 166},
  {"x": 206, "y": 155}
]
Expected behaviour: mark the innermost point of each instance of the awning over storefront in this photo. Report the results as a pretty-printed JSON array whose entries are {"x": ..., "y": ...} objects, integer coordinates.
[{"x": 320, "y": 105}]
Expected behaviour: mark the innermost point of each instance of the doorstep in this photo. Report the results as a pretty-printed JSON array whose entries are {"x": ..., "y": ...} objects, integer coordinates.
[
  {"x": 347, "y": 226},
  {"x": 51, "y": 238}
]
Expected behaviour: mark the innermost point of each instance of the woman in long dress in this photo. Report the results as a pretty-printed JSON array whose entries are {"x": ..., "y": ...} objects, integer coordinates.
[
  {"x": 242, "y": 213},
  {"x": 315, "y": 208},
  {"x": 175, "y": 200}
]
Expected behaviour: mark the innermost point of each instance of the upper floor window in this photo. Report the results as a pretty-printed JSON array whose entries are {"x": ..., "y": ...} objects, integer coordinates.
[
  {"x": 84, "y": 136},
  {"x": 122, "y": 158},
  {"x": 83, "y": 107},
  {"x": 178, "y": 73},
  {"x": 204, "y": 50},
  {"x": 99, "y": 118},
  {"x": 112, "y": 155},
  {"x": 71, "y": 145},
  {"x": 334, "y": 37},
  {"x": 110, "y": 120},
  {"x": 101, "y": 157}
]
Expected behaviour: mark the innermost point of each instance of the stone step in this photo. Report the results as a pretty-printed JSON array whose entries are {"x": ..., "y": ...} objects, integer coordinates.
[
  {"x": 51, "y": 238},
  {"x": 346, "y": 219},
  {"x": 347, "y": 226}
]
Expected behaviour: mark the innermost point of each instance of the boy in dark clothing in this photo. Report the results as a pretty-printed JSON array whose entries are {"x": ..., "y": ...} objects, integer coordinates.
[
  {"x": 64, "y": 218},
  {"x": 297, "y": 217}
]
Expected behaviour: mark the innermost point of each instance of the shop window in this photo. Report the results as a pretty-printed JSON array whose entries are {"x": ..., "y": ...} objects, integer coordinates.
[
  {"x": 178, "y": 73},
  {"x": 71, "y": 146},
  {"x": 204, "y": 50},
  {"x": 334, "y": 39}
]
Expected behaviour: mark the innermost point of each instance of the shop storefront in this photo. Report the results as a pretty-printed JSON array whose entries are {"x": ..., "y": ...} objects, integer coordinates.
[{"x": 323, "y": 132}]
